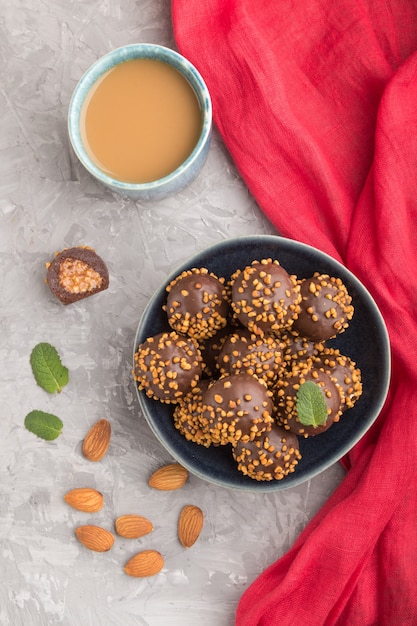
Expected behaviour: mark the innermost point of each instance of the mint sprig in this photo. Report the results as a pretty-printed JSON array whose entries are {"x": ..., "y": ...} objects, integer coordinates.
[
  {"x": 44, "y": 425},
  {"x": 311, "y": 404},
  {"x": 47, "y": 368}
]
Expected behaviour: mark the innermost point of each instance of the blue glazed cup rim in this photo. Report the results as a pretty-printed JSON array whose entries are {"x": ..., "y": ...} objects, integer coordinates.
[{"x": 110, "y": 60}]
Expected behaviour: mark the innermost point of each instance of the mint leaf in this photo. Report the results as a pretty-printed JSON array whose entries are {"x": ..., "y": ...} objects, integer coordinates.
[
  {"x": 47, "y": 368},
  {"x": 311, "y": 404},
  {"x": 44, "y": 425}
]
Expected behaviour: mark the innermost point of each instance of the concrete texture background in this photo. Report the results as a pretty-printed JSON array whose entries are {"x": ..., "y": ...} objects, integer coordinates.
[{"x": 48, "y": 202}]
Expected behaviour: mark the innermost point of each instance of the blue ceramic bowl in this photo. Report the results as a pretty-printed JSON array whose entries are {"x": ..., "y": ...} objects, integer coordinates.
[
  {"x": 365, "y": 341},
  {"x": 183, "y": 175}
]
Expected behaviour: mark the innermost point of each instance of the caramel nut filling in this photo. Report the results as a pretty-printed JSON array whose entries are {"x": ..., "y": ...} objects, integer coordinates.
[{"x": 75, "y": 276}]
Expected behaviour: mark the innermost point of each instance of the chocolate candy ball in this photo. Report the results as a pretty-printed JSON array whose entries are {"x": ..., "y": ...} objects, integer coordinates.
[
  {"x": 76, "y": 273},
  {"x": 197, "y": 304},
  {"x": 286, "y": 400},
  {"x": 258, "y": 356},
  {"x": 326, "y": 307},
  {"x": 271, "y": 455},
  {"x": 296, "y": 348},
  {"x": 210, "y": 350},
  {"x": 167, "y": 366},
  {"x": 265, "y": 298},
  {"x": 187, "y": 416},
  {"x": 343, "y": 372},
  {"x": 236, "y": 407}
]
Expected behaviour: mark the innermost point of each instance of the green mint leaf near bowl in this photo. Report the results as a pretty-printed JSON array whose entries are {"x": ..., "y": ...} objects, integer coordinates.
[
  {"x": 311, "y": 404},
  {"x": 43, "y": 425},
  {"x": 47, "y": 368}
]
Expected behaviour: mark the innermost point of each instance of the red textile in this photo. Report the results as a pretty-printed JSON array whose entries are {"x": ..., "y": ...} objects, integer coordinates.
[{"x": 317, "y": 104}]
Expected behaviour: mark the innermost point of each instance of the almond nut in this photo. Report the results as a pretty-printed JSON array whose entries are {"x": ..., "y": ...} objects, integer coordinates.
[
  {"x": 145, "y": 563},
  {"x": 95, "y": 538},
  {"x": 85, "y": 499},
  {"x": 190, "y": 524},
  {"x": 133, "y": 526},
  {"x": 97, "y": 440},
  {"x": 169, "y": 477}
]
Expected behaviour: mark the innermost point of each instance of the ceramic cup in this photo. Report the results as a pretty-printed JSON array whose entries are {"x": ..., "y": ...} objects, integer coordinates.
[{"x": 190, "y": 168}]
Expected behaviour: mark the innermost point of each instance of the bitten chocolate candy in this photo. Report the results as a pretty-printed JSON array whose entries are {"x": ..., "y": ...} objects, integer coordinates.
[{"x": 76, "y": 273}]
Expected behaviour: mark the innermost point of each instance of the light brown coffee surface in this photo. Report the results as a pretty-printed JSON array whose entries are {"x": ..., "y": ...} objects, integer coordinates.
[{"x": 140, "y": 121}]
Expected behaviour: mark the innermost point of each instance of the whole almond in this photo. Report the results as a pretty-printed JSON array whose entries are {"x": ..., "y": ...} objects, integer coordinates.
[
  {"x": 95, "y": 538},
  {"x": 169, "y": 477},
  {"x": 85, "y": 499},
  {"x": 190, "y": 524},
  {"x": 133, "y": 526},
  {"x": 145, "y": 563},
  {"x": 97, "y": 440}
]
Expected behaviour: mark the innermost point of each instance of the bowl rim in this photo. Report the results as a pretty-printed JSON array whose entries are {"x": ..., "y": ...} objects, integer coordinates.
[
  {"x": 272, "y": 486},
  {"x": 112, "y": 59}
]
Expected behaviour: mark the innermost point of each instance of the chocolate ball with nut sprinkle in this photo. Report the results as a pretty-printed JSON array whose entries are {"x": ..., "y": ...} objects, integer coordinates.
[
  {"x": 286, "y": 400},
  {"x": 187, "y": 416},
  {"x": 265, "y": 298},
  {"x": 296, "y": 348},
  {"x": 344, "y": 373},
  {"x": 326, "y": 307},
  {"x": 236, "y": 407},
  {"x": 271, "y": 455},
  {"x": 197, "y": 303},
  {"x": 244, "y": 351},
  {"x": 210, "y": 349},
  {"x": 167, "y": 366}
]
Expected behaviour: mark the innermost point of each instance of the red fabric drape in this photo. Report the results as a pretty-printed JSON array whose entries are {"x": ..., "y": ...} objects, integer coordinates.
[{"x": 317, "y": 104}]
